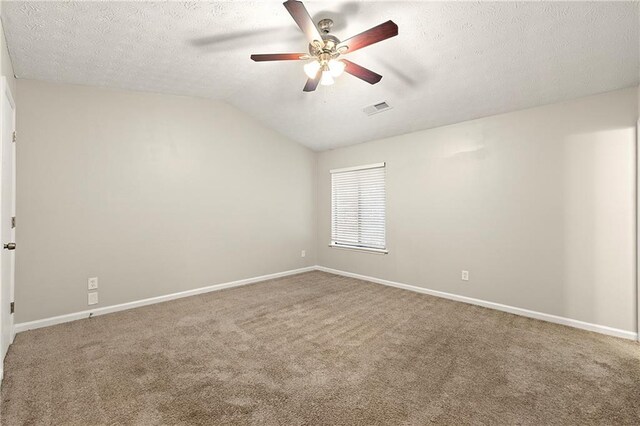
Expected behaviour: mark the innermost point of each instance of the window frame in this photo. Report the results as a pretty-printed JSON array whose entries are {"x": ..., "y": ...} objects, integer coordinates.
[{"x": 342, "y": 246}]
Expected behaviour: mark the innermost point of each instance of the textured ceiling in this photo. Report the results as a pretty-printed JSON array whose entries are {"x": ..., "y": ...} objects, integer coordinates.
[{"x": 451, "y": 61}]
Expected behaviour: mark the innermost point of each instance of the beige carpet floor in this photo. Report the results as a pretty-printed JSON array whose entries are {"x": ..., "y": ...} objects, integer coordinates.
[{"x": 318, "y": 349}]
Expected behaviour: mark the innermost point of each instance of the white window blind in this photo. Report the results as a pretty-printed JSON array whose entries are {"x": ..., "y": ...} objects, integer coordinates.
[{"x": 358, "y": 207}]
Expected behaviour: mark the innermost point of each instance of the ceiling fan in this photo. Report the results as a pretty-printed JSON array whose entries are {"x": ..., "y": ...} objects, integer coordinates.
[{"x": 326, "y": 50}]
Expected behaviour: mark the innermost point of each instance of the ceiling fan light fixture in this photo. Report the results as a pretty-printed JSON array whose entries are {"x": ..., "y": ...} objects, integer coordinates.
[
  {"x": 312, "y": 68},
  {"x": 327, "y": 78},
  {"x": 336, "y": 67}
]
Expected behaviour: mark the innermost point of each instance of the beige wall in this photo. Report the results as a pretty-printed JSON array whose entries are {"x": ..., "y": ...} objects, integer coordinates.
[
  {"x": 153, "y": 194},
  {"x": 156, "y": 194},
  {"x": 538, "y": 205}
]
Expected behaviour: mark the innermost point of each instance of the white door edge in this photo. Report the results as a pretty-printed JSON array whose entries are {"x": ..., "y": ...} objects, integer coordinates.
[{"x": 6, "y": 91}]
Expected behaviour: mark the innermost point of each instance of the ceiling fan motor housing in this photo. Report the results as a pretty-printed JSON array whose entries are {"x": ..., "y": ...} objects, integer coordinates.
[{"x": 328, "y": 46}]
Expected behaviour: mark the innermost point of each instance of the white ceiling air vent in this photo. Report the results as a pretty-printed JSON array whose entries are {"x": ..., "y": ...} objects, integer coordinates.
[{"x": 374, "y": 109}]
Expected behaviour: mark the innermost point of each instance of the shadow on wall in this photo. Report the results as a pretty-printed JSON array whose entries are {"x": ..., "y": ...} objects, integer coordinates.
[{"x": 598, "y": 210}]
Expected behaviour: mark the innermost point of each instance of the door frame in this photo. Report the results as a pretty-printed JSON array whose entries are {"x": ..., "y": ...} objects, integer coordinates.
[{"x": 6, "y": 91}]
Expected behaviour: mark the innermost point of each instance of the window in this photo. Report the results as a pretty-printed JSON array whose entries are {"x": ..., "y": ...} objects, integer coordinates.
[{"x": 358, "y": 208}]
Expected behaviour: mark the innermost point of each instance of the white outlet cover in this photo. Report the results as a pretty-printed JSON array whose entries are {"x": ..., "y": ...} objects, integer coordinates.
[
  {"x": 92, "y": 283},
  {"x": 465, "y": 276},
  {"x": 303, "y": 253},
  {"x": 93, "y": 298}
]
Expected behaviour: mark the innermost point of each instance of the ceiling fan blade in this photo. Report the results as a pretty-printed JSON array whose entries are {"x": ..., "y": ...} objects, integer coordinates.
[
  {"x": 312, "y": 83},
  {"x": 373, "y": 35},
  {"x": 361, "y": 72},
  {"x": 278, "y": 57},
  {"x": 303, "y": 19}
]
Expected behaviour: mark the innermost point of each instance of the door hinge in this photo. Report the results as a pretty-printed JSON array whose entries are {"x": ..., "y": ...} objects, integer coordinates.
[
  {"x": 13, "y": 222},
  {"x": 13, "y": 307},
  {"x": 14, "y": 136}
]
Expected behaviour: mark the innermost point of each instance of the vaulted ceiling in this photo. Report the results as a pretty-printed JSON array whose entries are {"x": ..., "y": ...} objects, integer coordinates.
[{"x": 451, "y": 62}]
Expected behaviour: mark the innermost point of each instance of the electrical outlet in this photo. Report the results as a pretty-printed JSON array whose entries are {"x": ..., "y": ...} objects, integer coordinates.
[
  {"x": 92, "y": 283},
  {"x": 303, "y": 253},
  {"x": 93, "y": 298},
  {"x": 465, "y": 276}
]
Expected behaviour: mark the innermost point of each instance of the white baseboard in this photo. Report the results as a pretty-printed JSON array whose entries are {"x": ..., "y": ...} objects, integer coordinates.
[
  {"x": 18, "y": 328},
  {"x": 492, "y": 305}
]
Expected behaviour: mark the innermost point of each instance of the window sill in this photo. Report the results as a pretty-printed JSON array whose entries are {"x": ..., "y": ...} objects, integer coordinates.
[{"x": 356, "y": 248}]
